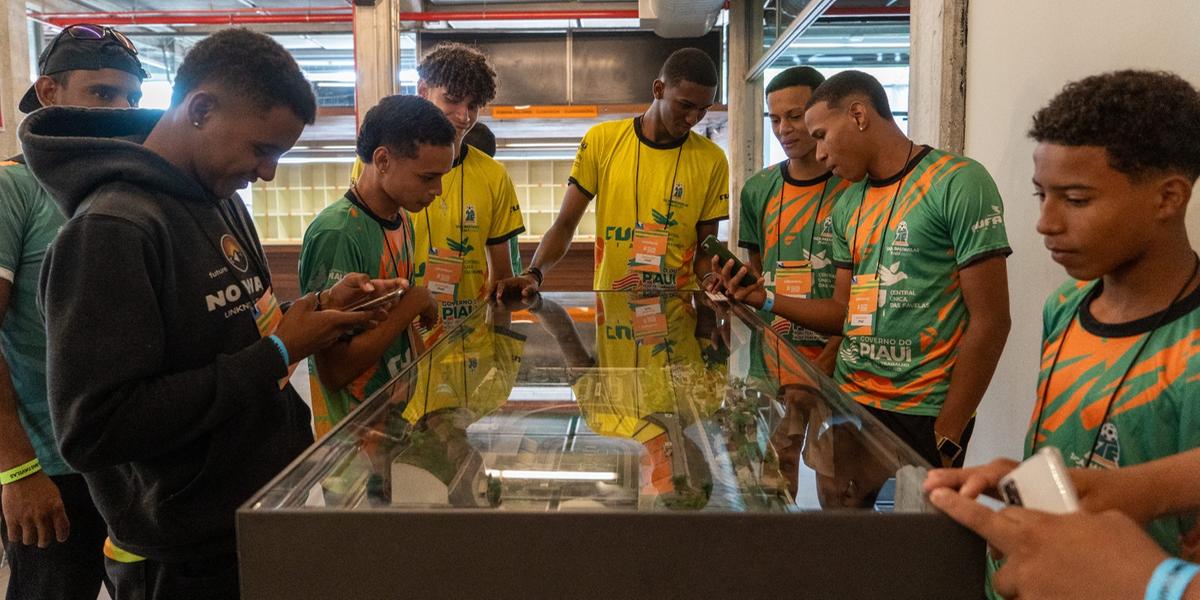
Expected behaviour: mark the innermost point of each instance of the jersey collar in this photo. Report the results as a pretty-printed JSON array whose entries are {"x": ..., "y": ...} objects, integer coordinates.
[
  {"x": 637, "y": 129},
  {"x": 384, "y": 223},
  {"x": 1131, "y": 328},
  {"x": 783, "y": 168},
  {"x": 912, "y": 164}
]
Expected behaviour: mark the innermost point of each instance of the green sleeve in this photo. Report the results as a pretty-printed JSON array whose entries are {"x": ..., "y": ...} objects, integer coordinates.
[
  {"x": 750, "y": 211},
  {"x": 842, "y": 214},
  {"x": 974, "y": 214},
  {"x": 14, "y": 213},
  {"x": 326, "y": 257}
]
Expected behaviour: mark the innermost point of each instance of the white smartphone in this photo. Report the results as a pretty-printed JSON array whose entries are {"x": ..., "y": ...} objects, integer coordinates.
[
  {"x": 373, "y": 303},
  {"x": 1041, "y": 483}
]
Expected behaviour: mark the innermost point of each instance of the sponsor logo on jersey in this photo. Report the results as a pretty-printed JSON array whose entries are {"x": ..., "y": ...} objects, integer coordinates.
[{"x": 234, "y": 255}]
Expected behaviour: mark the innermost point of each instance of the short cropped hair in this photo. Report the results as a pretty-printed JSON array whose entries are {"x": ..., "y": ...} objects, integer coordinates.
[
  {"x": 402, "y": 124},
  {"x": 1147, "y": 121},
  {"x": 482, "y": 138},
  {"x": 464, "y": 72},
  {"x": 251, "y": 65},
  {"x": 689, "y": 64},
  {"x": 796, "y": 77},
  {"x": 852, "y": 83}
]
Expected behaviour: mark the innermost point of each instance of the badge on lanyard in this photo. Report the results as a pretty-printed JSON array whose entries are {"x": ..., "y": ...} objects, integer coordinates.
[
  {"x": 793, "y": 278},
  {"x": 649, "y": 247},
  {"x": 864, "y": 300},
  {"x": 442, "y": 274},
  {"x": 267, "y": 316},
  {"x": 649, "y": 321}
]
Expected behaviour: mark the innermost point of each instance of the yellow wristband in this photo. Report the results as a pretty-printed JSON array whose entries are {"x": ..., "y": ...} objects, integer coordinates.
[{"x": 20, "y": 472}]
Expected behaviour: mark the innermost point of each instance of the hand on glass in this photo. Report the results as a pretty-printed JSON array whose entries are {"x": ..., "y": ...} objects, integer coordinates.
[{"x": 524, "y": 286}]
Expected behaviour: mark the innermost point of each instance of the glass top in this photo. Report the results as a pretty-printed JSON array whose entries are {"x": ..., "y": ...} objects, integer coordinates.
[{"x": 606, "y": 401}]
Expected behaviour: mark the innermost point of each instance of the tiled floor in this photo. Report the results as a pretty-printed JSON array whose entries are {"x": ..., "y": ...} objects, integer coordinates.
[{"x": 299, "y": 380}]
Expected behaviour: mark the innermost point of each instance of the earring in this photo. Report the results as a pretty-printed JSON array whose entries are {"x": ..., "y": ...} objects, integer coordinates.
[{"x": 196, "y": 124}]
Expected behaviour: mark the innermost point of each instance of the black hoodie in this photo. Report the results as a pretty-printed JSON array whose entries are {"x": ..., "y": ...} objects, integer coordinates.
[{"x": 162, "y": 391}]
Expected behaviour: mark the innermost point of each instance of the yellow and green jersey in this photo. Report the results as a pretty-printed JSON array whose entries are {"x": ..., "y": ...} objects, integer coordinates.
[
  {"x": 475, "y": 368},
  {"x": 347, "y": 238},
  {"x": 477, "y": 208},
  {"x": 664, "y": 187},
  {"x": 1156, "y": 410},
  {"x": 650, "y": 368},
  {"x": 912, "y": 234},
  {"x": 789, "y": 222}
]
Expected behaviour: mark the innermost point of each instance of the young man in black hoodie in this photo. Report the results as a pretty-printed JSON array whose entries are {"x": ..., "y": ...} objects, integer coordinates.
[{"x": 168, "y": 353}]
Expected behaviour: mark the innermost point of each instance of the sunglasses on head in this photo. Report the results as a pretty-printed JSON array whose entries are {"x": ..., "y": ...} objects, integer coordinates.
[{"x": 96, "y": 33}]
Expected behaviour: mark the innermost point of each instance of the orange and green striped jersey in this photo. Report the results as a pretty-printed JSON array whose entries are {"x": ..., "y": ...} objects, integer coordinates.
[
  {"x": 1156, "y": 411},
  {"x": 346, "y": 238},
  {"x": 785, "y": 219},
  {"x": 914, "y": 232}
]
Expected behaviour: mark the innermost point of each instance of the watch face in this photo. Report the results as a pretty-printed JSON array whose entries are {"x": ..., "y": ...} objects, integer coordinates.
[{"x": 948, "y": 449}]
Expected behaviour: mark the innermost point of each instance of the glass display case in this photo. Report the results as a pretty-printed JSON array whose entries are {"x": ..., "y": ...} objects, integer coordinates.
[{"x": 606, "y": 445}]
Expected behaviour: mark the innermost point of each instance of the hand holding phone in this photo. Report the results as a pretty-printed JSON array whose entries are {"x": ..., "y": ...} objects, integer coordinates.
[
  {"x": 381, "y": 301},
  {"x": 1041, "y": 483},
  {"x": 714, "y": 247}
]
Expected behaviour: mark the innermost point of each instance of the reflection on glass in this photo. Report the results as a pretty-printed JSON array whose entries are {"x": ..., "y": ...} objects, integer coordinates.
[{"x": 602, "y": 402}]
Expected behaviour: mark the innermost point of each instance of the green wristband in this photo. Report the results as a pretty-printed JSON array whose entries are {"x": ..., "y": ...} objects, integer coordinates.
[{"x": 20, "y": 472}]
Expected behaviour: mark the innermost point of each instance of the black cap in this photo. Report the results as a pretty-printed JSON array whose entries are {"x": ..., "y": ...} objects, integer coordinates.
[{"x": 68, "y": 53}]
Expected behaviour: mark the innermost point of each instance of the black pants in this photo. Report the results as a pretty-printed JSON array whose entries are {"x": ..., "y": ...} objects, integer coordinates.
[
  {"x": 208, "y": 579},
  {"x": 917, "y": 432},
  {"x": 68, "y": 571}
]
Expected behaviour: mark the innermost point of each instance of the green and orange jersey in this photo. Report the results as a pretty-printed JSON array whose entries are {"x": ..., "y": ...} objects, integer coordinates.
[
  {"x": 668, "y": 187},
  {"x": 346, "y": 238},
  {"x": 788, "y": 222},
  {"x": 912, "y": 234},
  {"x": 1156, "y": 410}
]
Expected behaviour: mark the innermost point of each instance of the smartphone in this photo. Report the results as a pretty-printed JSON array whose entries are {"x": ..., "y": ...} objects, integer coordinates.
[
  {"x": 373, "y": 303},
  {"x": 714, "y": 247},
  {"x": 1041, "y": 483}
]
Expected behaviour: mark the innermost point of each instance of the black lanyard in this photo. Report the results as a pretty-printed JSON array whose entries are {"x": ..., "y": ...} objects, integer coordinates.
[
  {"x": 888, "y": 223},
  {"x": 1108, "y": 406},
  {"x": 637, "y": 180},
  {"x": 812, "y": 236},
  {"x": 356, "y": 199},
  {"x": 462, "y": 203}
]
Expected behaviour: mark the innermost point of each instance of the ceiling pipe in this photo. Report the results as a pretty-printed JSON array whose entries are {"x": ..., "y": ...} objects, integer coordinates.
[
  {"x": 517, "y": 15},
  {"x": 233, "y": 16}
]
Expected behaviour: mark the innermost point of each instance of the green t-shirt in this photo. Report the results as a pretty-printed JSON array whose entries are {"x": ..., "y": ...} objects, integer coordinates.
[
  {"x": 29, "y": 222},
  {"x": 1156, "y": 412},
  {"x": 914, "y": 233},
  {"x": 346, "y": 238},
  {"x": 787, "y": 220}
]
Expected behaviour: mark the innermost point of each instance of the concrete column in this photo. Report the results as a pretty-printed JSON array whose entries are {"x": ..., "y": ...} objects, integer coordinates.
[
  {"x": 745, "y": 103},
  {"x": 14, "y": 73},
  {"x": 377, "y": 50},
  {"x": 937, "y": 92}
]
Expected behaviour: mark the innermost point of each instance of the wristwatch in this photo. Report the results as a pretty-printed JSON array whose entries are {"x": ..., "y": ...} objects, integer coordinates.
[
  {"x": 948, "y": 448},
  {"x": 536, "y": 272}
]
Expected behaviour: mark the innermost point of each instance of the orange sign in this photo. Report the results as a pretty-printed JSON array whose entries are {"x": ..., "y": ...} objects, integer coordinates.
[{"x": 546, "y": 112}]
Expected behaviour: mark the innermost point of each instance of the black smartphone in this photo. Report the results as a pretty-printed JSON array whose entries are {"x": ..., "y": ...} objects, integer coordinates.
[{"x": 714, "y": 247}]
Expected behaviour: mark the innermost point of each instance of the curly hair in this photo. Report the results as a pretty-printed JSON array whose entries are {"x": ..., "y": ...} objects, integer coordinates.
[
  {"x": 251, "y": 65},
  {"x": 464, "y": 72},
  {"x": 851, "y": 83},
  {"x": 401, "y": 124},
  {"x": 1147, "y": 121}
]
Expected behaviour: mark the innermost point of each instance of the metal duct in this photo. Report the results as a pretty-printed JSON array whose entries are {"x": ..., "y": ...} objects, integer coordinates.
[{"x": 679, "y": 18}]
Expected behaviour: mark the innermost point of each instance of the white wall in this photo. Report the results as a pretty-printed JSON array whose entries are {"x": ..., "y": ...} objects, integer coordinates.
[{"x": 1019, "y": 54}]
